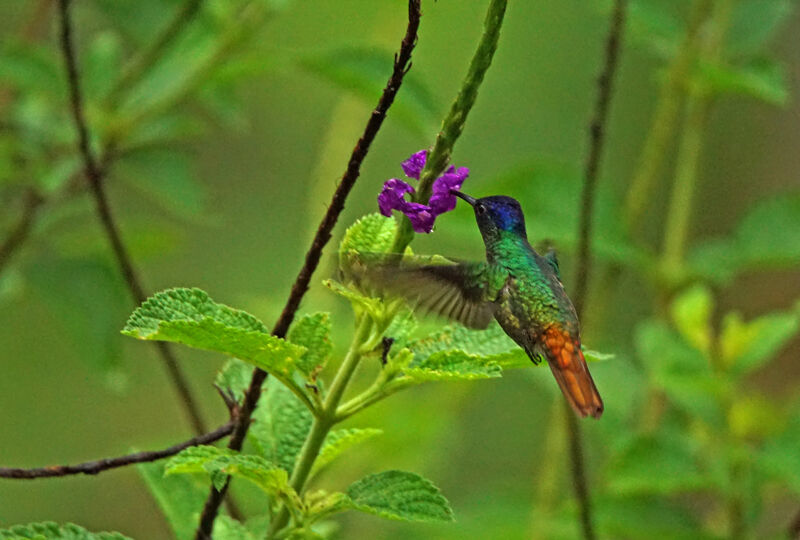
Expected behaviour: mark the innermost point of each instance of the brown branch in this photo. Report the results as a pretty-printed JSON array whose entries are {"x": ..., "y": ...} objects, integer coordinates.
[
  {"x": 583, "y": 264},
  {"x": 95, "y": 174},
  {"x": 95, "y": 467},
  {"x": 402, "y": 63},
  {"x": 19, "y": 232}
]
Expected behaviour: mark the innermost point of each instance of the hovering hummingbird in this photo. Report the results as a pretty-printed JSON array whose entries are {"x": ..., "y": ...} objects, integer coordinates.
[{"x": 516, "y": 286}]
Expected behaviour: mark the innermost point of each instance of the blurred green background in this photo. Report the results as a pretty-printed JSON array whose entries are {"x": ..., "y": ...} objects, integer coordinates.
[{"x": 222, "y": 188}]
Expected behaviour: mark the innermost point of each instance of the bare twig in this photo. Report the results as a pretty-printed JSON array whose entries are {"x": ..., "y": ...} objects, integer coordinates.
[
  {"x": 94, "y": 467},
  {"x": 402, "y": 63},
  {"x": 583, "y": 263},
  {"x": 95, "y": 174},
  {"x": 20, "y": 231}
]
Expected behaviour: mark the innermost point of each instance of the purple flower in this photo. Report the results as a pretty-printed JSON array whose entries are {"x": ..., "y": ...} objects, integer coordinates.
[
  {"x": 413, "y": 166},
  {"x": 422, "y": 216}
]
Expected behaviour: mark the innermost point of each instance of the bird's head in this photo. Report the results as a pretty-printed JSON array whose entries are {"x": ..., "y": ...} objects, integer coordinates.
[{"x": 495, "y": 214}]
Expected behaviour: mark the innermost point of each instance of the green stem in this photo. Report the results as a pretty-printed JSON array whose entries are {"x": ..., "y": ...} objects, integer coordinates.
[
  {"x": 325, "y": 420},
  {"x": 453, "y": 124},
  {"x": 141, "y": 64}
]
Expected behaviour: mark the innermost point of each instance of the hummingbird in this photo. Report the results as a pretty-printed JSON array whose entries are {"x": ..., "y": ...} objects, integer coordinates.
[{"x": 517, "y": 286}]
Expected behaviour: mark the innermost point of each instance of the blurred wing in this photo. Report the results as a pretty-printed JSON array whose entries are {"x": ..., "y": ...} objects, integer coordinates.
[{"x": 457, "y": 291}]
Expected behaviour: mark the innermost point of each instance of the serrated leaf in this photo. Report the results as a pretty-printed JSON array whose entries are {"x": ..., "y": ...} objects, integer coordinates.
[
  {"x": 358, "y": 300},
  {"x": 399, "y": 495},
  {"x": 747, "y": 346},
  {"x": 340, "y": 440},
  {"x": 761, "y": 78},
  {"x": 190, "y": 317},
  {"x": 53, "y": 531},
  {"x": 660, "y": 464},
  {"x": 452, "y": 366},
  {"x": 313, "y": 333},
  {"x": 281, "y": 424},
  {"x": 227, "y": 528},
  {"x": 235, "y": 376},
  {"x": 218, "y": 463},
  {"x": 364, "y": 71},
  {"x": 179, "y": 497},
  {"x": 691, "y": 314},
  {"x": 372, "y": 233},
  {"x": 490, "y": 342}
]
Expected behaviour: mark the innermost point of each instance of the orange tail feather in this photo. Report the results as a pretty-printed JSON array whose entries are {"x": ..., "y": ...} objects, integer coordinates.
[{"x": 566, "y": 361}]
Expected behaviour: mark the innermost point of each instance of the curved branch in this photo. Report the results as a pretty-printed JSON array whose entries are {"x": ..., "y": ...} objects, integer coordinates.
[
  {"x": 95, "y": 174},
  {"x": 402, "y": 63},
  {"x": 95, "y": 467},
  {"x": 583, "y": 263}
]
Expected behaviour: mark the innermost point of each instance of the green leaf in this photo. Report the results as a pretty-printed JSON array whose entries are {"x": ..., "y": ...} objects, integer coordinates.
[
  {"x": 235, "y": 376},
  {"x": 399, "y": 495},
  {"x": 190, "y": 317},
  {"x": 691, "y": 313},
  {"x": 452, "y": 366},
  {"x": 281, "y": 424},
  {"x": 89, "y": 300},
  {"x": 340, "y": 440},
  {"x": 492, "y": 342},
  {"x": 761, "y": 78},
  {"x": 53, "y": 531},
  {"x": 167, "y": 178},
  {"x": 226, "y": 528},
  {"x": 221, "y": 462},
  {"x": 313, "y": 333},
  {"x": 747, "y": 346},
  {"x": 179, "y": 498},
  {"x": 372, "y": 233},
  {"x": 364, "y": 72},
  {"x": 660, "y": 464},
  {"x": 681, "y": 371},
  {"x": 358, "y": 300},
  {"x": 753, "y": 24},
  {"x": 767, "y": 237},
  {"x": 655, "y": 25}
]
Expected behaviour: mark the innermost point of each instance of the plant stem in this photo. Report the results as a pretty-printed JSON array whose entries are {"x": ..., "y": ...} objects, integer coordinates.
[
  {"x": 136, "y": 68},
  {"x": 94, "y": 170},
  {"x": 583, "y": 263},
  {"x": 325, "y": 421},
  {"x": 401, "y": 66},
  {"x": 453, "y": 124},
  {"x": 662, "y": 128}
]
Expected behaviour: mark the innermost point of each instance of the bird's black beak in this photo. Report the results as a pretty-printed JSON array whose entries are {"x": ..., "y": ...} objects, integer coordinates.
[{"x": 470, "y": 200}]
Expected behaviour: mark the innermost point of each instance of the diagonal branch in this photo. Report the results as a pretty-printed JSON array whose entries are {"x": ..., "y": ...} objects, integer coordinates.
[
  {"x": 584, "y": 260},
  {"x": 402, "y": 63},
  {"x": 20, "y": 231},
  {"x": 95, "y": 174},
  {"x": 94, "y": 467}
]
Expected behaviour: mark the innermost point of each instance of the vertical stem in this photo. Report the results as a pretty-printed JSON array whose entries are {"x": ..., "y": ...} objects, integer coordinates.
[
  {"x": 95, "y": 174},
  {"x": 402, "y": 63},
  {"x": 326, "y": 420},
  {"x": 453, "y": 124},
  {"x": 583, "y": 263}
]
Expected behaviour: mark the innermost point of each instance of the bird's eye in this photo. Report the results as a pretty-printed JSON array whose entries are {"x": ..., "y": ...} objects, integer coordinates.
[{"x": 481, "y": 209}]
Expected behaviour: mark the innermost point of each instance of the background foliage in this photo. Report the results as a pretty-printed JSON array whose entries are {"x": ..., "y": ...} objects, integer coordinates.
[{"x": 246, "y": 123}]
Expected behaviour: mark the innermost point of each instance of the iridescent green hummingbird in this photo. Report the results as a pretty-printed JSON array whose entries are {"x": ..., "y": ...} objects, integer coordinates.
[{"x": 516, "y": 286}]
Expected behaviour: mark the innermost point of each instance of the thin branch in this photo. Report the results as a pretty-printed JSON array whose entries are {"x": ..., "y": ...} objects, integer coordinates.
[
  {"x": 402, "y": 63},
  {"x": 19, "y": 232},
  {"x": 95, "y": 467},
  {"x": 584, "y": 260},
  {"x": 95, "y": 174}
]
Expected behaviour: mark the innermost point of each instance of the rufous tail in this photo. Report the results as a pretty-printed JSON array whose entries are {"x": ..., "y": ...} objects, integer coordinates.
[{"x": 571, "y": 372}]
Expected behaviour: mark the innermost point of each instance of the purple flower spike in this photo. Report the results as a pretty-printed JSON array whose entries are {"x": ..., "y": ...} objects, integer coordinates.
[
  {"x": 442, "y": 200},
  {"x": 422, "y": 216},
  {"x": 391, "y": 198},
  {"x": 413, "y": 165}
]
